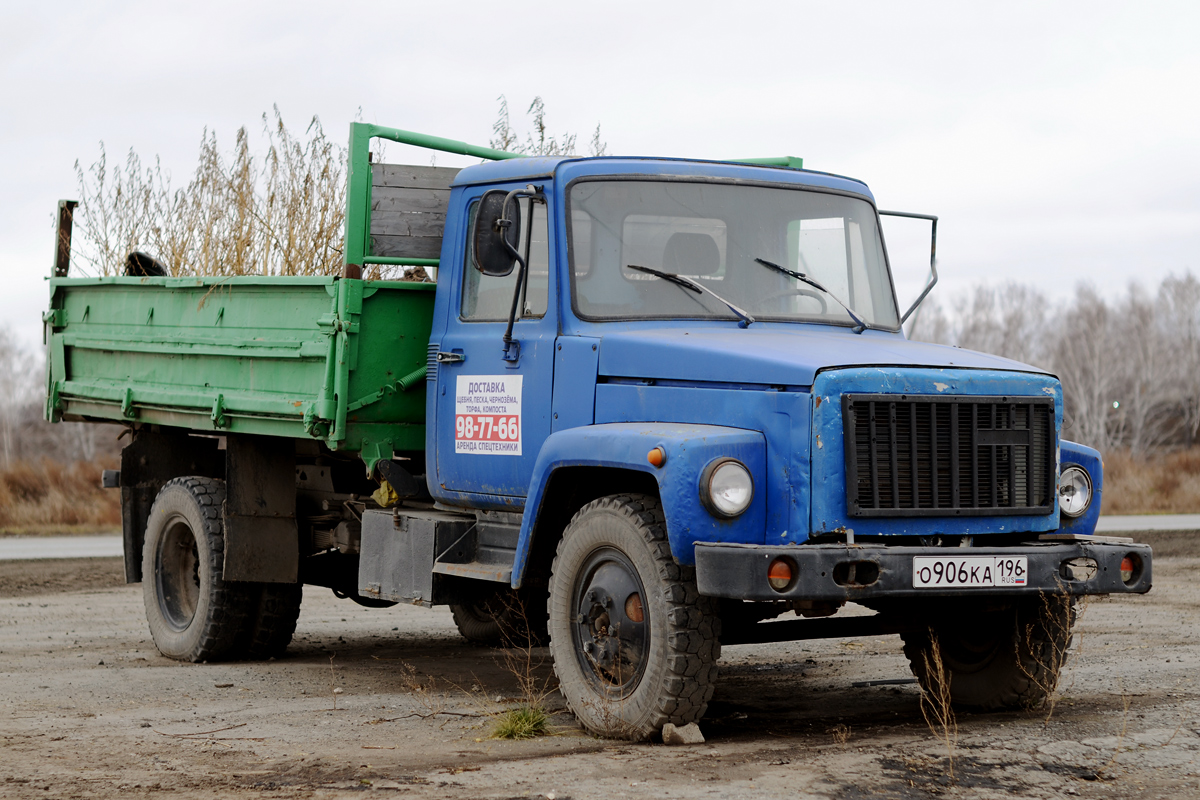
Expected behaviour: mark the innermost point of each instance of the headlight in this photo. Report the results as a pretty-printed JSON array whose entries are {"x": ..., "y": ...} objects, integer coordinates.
[
  {"x": 726, "y": 487},
  {"x": 1074, "y": 491}
]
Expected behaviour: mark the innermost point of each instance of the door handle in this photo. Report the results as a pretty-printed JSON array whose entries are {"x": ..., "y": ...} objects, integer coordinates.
[{"x": 450, "y": 358}]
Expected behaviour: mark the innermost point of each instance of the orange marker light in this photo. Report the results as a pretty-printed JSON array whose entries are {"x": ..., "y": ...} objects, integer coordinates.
[
  {"x": 657, "y": 457},
  {"x": 779, "y": 574},
  {"x": 1126, "y": 569}
]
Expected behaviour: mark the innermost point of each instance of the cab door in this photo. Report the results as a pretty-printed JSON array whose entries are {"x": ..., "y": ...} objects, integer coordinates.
[{"x": 493, "y": 412}]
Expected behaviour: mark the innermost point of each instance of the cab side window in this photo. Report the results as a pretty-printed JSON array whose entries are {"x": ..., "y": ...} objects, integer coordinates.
[{"x": 489, "y": 299}]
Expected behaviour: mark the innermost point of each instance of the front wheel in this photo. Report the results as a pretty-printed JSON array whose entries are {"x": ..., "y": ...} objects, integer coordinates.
[
  {"x": 634, "y": 644},
  {"x": 1005, "y": 659}
]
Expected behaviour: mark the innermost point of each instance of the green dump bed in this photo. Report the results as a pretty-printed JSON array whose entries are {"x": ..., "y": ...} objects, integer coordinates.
[{"x": 332, "y": 359}]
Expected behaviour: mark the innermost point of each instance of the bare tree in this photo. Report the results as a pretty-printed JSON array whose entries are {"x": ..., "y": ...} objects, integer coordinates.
[
  {"x": 1009, "y": 321},
  {"x": 18, "y": 390},
  {"x": 1130, "y": 369},
  {"x": 1178, "y": 310}
]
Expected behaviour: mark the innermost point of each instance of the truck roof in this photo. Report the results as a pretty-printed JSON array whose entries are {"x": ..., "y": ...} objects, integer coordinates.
[{"x": 536, "y": 167}]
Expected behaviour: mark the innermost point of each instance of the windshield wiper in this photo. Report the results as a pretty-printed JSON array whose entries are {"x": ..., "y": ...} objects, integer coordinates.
[
  {"x": 698, "y": 288},
  {"x": 800, "y": 276}
]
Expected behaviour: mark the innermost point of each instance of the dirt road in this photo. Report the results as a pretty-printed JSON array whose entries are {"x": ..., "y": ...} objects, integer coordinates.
[{"x": 89, "y": 709}]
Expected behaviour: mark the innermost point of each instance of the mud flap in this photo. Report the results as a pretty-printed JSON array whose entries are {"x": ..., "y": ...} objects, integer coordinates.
[{"x": 262, "y": 542}]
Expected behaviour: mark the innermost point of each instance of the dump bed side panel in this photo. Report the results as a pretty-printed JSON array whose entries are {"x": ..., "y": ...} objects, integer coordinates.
[{"x": 282, "y": 356}]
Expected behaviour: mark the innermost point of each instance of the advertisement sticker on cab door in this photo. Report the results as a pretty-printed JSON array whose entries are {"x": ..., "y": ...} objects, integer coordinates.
[{"x": 487, "y": 415}]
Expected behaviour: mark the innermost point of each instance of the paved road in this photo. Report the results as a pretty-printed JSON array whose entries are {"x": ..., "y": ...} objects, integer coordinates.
[
  {"x": 1149, "y": 522},
  {"x": 107, "y": 546},
  {"x": 26, "y": 547}
]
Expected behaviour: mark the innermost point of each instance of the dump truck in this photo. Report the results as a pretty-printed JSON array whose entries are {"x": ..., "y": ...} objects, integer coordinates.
[{"x": 650, "y": 407}]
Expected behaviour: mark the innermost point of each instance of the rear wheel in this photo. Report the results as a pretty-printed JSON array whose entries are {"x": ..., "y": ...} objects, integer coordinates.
[
  {"x": 635, "y": 646},
  {"x": 271, "y": 625},
  {"x": 1011, "y": 658},
  {"x": 193, "y": 613},
  {"x": 503, "y": 617}
]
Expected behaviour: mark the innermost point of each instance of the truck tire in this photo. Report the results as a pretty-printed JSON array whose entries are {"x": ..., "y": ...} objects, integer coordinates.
[
  {"x": 494, "y": 620},
  {"x": 997, "y": 660},
  {"x": 614, "y": 574},
  {"x": 194, "y": 615},
  {"x": 478, "y": 624},
  {"x": 271, "y": 625}
]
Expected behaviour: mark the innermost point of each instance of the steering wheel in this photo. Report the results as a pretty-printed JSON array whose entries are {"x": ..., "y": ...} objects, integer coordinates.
[{"x": 789, "y": 292}]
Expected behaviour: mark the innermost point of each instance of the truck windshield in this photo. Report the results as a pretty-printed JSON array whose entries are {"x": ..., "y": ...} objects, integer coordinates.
[{"x": 712, "y": 233}]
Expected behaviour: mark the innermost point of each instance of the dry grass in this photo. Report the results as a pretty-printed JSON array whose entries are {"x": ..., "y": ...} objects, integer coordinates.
[
  {"x": 52, "y": 497},
  {"x": 522, "y": 659},
  {"x": 1165, "y": 483},
  {"x": 524, "y": 722},
  {"x": 840, "y": 733},
  {"x": 936, "y": 704},
  {"x": 1059, "y": 614}
]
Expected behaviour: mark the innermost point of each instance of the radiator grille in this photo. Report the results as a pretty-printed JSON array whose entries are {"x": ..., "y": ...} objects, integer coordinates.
[{"x": 937, "y": 456}]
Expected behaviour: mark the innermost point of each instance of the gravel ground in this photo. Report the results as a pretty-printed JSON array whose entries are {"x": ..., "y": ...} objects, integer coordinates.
[{"x": 89, "y": 709}]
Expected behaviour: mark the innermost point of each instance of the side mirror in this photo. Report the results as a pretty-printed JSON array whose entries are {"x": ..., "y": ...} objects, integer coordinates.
[{"x": 495, "y": 244}]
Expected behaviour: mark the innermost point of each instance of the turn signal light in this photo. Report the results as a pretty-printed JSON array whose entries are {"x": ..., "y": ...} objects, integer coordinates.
[
  {"x": 1127, "y": 569},
  {"x": 779, "y": 574},
  {"x": 657, "y": 457}
]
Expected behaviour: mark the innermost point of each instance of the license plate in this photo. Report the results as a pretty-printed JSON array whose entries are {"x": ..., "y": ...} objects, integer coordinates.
[{"x": 969, "y": 572}]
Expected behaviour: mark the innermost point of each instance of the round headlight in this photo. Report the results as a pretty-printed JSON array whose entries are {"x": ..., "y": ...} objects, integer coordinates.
[
  {"x": 726, "y": 487},
  {"x": 1074, "y": 491}
]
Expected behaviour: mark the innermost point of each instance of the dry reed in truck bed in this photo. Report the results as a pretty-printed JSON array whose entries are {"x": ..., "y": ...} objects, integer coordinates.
[{"x": 279, "y": 212}]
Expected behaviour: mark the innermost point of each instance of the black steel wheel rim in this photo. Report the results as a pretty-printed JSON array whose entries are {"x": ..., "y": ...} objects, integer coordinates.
[
  {"x": 610, "y": 627},
  {"x": 177, "y": 574}
]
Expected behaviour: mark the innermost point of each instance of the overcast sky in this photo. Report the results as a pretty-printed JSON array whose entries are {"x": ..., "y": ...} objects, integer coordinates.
[{"x": 1057, "y": 141}]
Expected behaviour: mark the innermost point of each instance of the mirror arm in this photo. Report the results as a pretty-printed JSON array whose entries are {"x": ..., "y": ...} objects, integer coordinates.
[
  {"x": 512, "y": 314},
  {"x": 928, "y": 287},
  {"x": 512, "y": 351}
]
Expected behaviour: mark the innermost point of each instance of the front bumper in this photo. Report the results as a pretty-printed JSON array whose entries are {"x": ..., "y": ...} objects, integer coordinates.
[{"x": 837, "y": 572}]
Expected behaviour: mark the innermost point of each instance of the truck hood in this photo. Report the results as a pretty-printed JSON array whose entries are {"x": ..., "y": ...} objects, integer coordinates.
[{"x": 777, "y": 355}]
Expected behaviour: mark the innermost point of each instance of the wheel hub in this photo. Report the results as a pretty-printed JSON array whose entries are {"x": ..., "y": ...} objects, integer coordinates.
[
  {"x": 178, "y": 575},
  {"x": 611, "y": 628}
]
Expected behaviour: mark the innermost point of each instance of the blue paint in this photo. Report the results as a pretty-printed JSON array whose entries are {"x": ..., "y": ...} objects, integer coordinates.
[
  {"x": 510, "y": 170},
  {"x": 1073, "y": 454},
  {"x": 783, "y": 417},
  {"x": 829, "y": 465},
  {"x": 767, "y": 352},
  {"x": 575, "y": 359},
  {"x": 689, "y": 449},
  {"x": 564, "y": 169}
]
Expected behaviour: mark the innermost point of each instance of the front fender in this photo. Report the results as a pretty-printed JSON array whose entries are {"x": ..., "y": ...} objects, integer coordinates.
[
  {"x": 1071, "y": 453},
  {"x": 689, "y": 448}
]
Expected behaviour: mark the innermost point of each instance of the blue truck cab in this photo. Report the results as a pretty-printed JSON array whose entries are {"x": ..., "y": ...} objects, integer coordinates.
[{"x": 690, "y": 401}]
